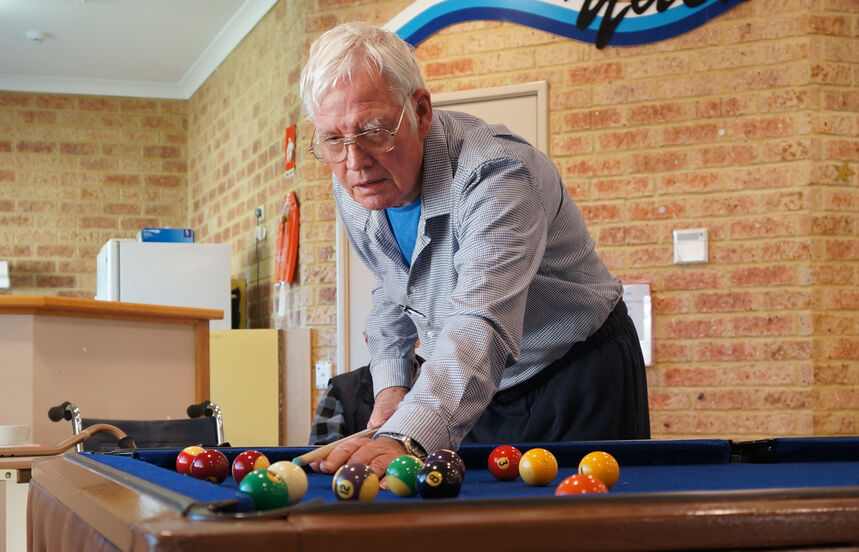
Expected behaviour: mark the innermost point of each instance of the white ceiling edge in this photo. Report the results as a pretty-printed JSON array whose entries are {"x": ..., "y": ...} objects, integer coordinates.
[{"x": 243, "y": 22}]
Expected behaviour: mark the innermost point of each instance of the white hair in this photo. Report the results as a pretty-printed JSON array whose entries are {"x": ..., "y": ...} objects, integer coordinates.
[{"x": 348, "y": 47}]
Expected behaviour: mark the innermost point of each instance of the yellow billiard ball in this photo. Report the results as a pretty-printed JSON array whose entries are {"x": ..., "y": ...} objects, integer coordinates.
[
  {"x": 538, "y": 467},
  {"x": 601, "y": 465}
]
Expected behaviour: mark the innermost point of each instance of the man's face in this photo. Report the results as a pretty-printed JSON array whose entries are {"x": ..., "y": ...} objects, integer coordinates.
[{"x": 382, "y": 180}]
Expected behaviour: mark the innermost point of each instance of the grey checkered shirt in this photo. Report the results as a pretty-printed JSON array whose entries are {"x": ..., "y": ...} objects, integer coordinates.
[{"x": 504, "y": 278}]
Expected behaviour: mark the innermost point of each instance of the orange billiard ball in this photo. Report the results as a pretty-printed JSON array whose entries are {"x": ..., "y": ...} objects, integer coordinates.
[
  {"x": 601, "y": 465},
  {"x": 538, "y": 467},
  {"x": 580, "y": 484}
]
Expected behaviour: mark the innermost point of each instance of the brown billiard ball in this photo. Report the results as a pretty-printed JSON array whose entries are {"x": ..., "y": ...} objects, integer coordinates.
[
  {"x": 210, "y": 465},
  {"x": 355, "y": 481}
]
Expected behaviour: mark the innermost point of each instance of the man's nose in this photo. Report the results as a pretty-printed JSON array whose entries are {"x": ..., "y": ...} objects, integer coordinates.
[{"x": 356, "y": 158}]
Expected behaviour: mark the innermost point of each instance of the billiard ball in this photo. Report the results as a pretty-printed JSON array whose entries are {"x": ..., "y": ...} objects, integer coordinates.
[
  {"x": 439, "y": 479},
  {"x": 402, "y": 475},
  {"x": 504, "y": 462},
  {"x": 266, "y": 489},
  {"x": 186, "y": 457},
  {"x": 538, "y": 467},
  {"x": 601, "y": 465},
  {"x": 294, "y": 477},
  {"x": 580, "y": 484},
  {"x": 247, "y": 462},
  {"x": 355, "y": 481},
  {"x": 210, "y": 465},
  {"x": 449, "y": 456}
]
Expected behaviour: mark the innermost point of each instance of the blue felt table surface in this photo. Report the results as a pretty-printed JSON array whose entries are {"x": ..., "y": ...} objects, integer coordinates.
[{"x": 646, "y": 467}]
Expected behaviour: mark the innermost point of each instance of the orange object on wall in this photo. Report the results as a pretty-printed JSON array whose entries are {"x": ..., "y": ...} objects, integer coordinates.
[{"x": 287, "y": 240}]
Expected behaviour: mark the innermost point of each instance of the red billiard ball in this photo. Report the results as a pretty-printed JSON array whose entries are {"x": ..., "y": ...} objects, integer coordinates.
[
  {"x": 210, "y": 465},
  {"x": 580, "y": 484},
  {"x": 601, "y": 465},
  {"x": 504, "y": 462},
  {"x": 247, "y": 462},
  {"x": 355, "y": 481},
  {"x": 183, "y": 461}
]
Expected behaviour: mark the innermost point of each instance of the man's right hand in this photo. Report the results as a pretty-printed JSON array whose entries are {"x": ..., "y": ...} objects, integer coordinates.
[{"x": 385, "y": 405}]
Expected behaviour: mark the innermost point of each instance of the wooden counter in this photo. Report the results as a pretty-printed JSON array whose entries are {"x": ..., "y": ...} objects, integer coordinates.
[{"x": 111, "y": 359}]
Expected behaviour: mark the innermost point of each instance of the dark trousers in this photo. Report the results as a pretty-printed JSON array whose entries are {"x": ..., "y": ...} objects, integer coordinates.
[{"x": 596, "y": 391}]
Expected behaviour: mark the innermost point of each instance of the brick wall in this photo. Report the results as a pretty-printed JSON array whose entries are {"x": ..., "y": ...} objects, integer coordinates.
[
  {"x": 746, "y": 126},
  {"x": 76, "y": 171}
]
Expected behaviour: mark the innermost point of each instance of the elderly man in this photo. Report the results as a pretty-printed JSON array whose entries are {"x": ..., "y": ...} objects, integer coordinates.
[{"x": 480, "y": 253}]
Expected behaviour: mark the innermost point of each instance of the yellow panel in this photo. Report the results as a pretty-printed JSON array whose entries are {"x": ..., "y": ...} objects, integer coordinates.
[{"x": 244, "y": 382}]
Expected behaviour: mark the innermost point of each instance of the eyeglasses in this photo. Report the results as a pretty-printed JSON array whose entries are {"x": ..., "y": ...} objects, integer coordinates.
[{"x": 373, "y": 141}]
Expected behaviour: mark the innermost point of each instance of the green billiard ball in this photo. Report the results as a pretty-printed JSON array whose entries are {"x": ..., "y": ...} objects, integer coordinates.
[
  {"x": 267, "y": 489},
  {"x": 402, "y": 475}
]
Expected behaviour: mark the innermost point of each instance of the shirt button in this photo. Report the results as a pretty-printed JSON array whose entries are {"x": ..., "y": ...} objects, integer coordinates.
[
  {"x": 430, "y": 333},
  {"x": 412, "y": 289}
]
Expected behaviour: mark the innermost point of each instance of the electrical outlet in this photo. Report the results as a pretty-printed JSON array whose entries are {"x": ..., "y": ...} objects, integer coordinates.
[
  {"x": 259, "y": 213},
  {"x": 323, "y": 373}
]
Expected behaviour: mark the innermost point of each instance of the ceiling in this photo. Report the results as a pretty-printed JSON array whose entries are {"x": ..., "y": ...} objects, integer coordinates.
[{"x": 142, "y": 48}]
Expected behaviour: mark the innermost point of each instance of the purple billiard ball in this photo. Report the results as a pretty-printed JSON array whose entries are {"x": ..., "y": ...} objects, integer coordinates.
[{"x": 355, "y": 481}]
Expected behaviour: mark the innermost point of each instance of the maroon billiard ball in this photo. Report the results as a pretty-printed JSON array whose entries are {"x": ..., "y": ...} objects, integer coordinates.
[
  {"x": 210, "y": 465},
  {"x": 247, "y": 462},
  {"x": 355, "y": 481},
  {"x": 183, "y": 461},
  {"x": 504, "y": 462}
]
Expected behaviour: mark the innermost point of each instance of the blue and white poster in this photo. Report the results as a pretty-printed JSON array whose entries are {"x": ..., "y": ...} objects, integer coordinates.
[{"x": 599, "y": 22}]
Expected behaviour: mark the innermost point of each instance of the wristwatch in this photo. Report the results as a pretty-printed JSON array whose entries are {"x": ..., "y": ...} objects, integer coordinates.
[{"x": 412, "y": 447}]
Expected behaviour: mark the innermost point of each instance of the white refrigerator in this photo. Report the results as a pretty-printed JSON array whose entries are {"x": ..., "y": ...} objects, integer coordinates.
[{"x": 174, "y": 274}]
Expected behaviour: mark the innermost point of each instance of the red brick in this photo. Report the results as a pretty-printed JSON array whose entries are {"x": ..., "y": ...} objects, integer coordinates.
[
  {"x": 690, "y": 134},
  {"x": 90, "y": 103},
  {"x": 760, "y": 128},
  {"x": 726, "y": 155},
  {"x": 761, "y": 276},
  {"x": 599, "y": 72},
  {"x": 732, "y": 253},
  {"x": 762, "y": 227},
  {"x": 762, "y": 325},
  {"x": 658, "y": 113},
  {"x": 35, "y": 147},
  {"x": 692, "y": 424},
  {"x": 461, "y": 66},
  {"x": 787, "y": 349},
  {"x": 724, "y": 302},
  {"x": 592, "y": 168},
  {"x": 727, "y": 399},
  {"x": 658, "y": 162},
  {"x": 622, "y": 187},
  {"x": 710, "y": 351},
  {"x": 68, "y": 148},
  {"x": 632, "y": 139},
  {"x": 679, "y": 328},
  {"x": 691, "y": 280},
  {"x": 650, "y": 210},
  {"x": 761, "y": 374},
  {"x": 692, "y": 377}
]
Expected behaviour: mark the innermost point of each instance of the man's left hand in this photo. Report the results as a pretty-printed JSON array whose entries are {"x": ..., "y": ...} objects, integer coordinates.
[{"x": 376, "y": 453}]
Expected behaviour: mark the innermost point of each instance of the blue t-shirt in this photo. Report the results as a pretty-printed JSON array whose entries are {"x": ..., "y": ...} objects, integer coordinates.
[{"x": 404, "y": 223}]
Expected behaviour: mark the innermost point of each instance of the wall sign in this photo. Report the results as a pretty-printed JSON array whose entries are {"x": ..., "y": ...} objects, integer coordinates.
[{"x": 600, "y": 22}]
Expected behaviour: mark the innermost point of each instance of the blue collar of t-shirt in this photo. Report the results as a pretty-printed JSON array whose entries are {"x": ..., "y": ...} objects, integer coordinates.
[{"x": 404, "y": 223}]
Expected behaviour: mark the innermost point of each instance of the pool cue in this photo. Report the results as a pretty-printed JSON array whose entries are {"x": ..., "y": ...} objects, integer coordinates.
[{"x": 322, "y": 452}]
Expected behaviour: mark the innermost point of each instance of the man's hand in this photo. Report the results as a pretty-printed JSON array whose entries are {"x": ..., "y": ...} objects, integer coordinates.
[
  {"x": 385, "y": 405},
  {"x": 376, "y": 453}
]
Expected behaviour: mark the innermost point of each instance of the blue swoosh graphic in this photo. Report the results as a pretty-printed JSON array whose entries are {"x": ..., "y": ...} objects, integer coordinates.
[{"x": 632, "y": 30}]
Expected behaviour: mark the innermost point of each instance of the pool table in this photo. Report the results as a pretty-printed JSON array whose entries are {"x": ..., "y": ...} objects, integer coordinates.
[{"x": 671, "y": 495}]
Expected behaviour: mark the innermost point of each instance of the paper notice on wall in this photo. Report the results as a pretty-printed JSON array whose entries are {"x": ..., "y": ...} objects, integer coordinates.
[
  {"x": 289, "y": 152},
  {"x": 637, "y": 298}
]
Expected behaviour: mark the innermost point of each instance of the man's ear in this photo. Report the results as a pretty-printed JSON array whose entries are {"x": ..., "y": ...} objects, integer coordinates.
[{"x": 423, "y": 111}]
